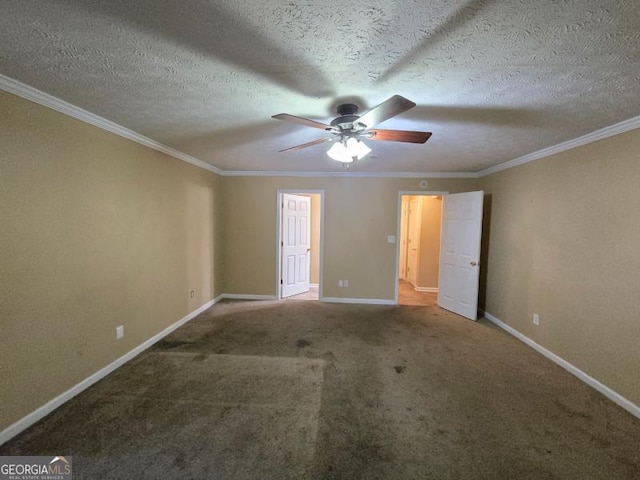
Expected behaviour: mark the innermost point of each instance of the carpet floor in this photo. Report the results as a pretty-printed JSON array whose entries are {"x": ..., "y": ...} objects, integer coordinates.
[{"x": 298, "y": 389}]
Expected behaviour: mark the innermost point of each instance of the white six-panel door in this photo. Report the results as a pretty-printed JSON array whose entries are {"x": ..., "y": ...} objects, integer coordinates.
[
  {"x": 460, "y": 253},
  {"x": 296, "y": 246}
]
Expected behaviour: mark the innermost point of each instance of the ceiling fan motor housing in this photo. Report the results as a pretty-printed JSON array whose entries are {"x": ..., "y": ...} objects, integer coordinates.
[
  {"x": 347, "y": 109},
  {"x": 347, "y": 116}
]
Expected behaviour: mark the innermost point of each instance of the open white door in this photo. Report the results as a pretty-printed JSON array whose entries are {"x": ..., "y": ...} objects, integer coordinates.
[
  {"x": 460, "y": 253},
  {"x": 296, "y": 246}
]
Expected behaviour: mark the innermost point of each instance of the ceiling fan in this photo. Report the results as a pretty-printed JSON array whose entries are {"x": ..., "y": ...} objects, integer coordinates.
[{"x": 349, "y": 129}]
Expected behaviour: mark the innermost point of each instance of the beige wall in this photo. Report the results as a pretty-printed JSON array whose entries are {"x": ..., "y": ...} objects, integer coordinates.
[
  {"x": 429, "y": 261},
  {"x": 359, "y": 214},
  {"x": 97, "y": 231},
  {"x": 563, "y": 241}
]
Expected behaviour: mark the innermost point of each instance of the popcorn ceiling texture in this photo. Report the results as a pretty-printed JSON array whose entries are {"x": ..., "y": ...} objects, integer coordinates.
[{"x": 493, "y": 80}]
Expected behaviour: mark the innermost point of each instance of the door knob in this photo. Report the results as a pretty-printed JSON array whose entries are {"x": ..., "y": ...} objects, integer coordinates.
[{"x": 473, "y": 263}]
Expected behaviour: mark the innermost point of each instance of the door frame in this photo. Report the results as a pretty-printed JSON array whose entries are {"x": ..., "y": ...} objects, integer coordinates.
[
  {"x": 279, "y": 197},
  {"x": 413, "y": 228},
  {"x": 404, "y": 214},
  {"x": 424, "y": 193}
]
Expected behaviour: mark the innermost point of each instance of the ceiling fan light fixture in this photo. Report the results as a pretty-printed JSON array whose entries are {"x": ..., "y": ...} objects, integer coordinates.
[
  {"x": 339, "y": 153},
  {"x": 349, "y": 150},
  {"x": 358, "y": 148}
]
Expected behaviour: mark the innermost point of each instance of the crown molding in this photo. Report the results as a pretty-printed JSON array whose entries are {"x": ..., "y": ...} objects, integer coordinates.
[
  {"x": 33, "y": 94},
  {"x": 350, "y": 174},
  {"x": 30, "y": 93},
  {"x": 25, "y": 91},
  {"x": 610, "y": 131}
]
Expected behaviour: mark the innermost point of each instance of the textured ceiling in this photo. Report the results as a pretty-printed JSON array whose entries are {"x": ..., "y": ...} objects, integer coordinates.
[{"x": 493, "y": 80}]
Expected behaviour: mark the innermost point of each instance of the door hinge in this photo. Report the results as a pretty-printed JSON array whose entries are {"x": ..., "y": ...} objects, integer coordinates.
[{"x": 280, "y": 281}]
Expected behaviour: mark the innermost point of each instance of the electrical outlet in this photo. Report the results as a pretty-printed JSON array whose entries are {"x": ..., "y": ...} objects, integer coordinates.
[
  {"x": 192, "y": 293},
  {"x": 340, "y": 283},
  {"x": 536, "y": 319},
  {"x": 119, "y": 332},
  {"x": 345, "y": 283}
]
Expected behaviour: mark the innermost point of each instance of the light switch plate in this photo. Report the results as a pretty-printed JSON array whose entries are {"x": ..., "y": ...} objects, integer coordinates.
[{"x": 391, "y": 239}]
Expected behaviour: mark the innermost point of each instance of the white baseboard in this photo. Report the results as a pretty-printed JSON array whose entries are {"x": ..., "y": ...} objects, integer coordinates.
[
  {"x": 314, "y": 285},
  {"x": 612, "y": 395},
  {"x": 41, "y": 412},
  {"x": 427, "y": 289},
  {"x": 362, "y": 301},
  {"x": 243, "y": 296},
  {"x": 25, "y": 422}
]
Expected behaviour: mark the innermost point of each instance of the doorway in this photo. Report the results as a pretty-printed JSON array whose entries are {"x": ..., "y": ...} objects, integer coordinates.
[
  {"x": 300, "y": 221},
  {"x": 419, "y": 248},
  {"x": 459, "y": 239}
]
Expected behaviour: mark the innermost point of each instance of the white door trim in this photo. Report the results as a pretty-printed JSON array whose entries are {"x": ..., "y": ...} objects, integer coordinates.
[
  {"x": 404, "y": 214},
  {"x": 297, "y": 191},
  {"x": 399, "y": 231},
  {"x": 414, "y": 231}
]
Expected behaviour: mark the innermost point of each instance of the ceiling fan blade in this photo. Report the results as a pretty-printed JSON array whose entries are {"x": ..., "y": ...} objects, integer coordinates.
[
  {"x": 301, "y": 121},
  {"x": 308, "y": 144},
  {"x": 399, "y": 136},
  {"x": 387, "y": 109}
]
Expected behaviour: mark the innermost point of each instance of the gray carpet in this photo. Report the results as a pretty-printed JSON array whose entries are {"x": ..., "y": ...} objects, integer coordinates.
[{"x": 296, "y": 389}]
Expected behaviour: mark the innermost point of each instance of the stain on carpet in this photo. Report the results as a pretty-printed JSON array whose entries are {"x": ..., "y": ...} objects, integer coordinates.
[{"x": 267, "y": 406}]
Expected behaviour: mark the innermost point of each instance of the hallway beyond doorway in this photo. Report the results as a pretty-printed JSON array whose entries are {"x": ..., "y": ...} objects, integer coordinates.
[{"x": 407, "y": 295}]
